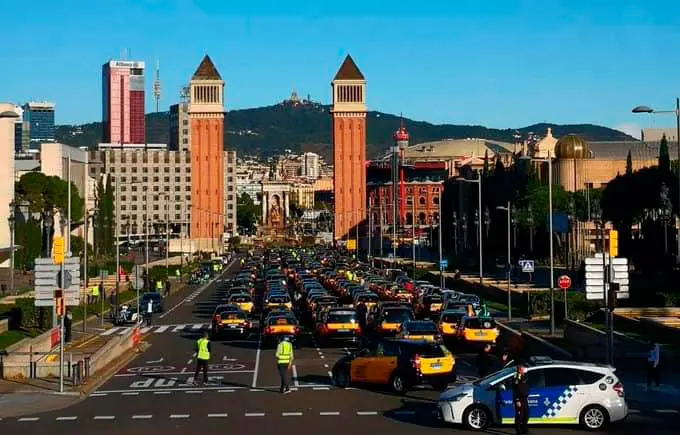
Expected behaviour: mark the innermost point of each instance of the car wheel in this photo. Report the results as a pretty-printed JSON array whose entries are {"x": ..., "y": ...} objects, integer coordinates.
[
  {"x": 341, "y": 378},
  {"x": 476, "y": 418},
  {"x": 398, "y": 384},
  {"x": 594, "y": 418}
]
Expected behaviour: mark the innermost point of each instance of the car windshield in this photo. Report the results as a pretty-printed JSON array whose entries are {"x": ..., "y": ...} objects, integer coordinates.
[
  {"x": 424, "y": 327},
  {"x": 342, "y": 318},
  {"x": 430, "y": 350},
  {"x": 279, "y": 299},
  {"x": 493, "y": 378},
  {"x": 479, "y": 323},
  {"x": 397, "y": 316},
  {"x": 240, "y": 299},
  {"x": 276, "y": 321},
  {"x": 452, "y": 317},
  {"x": 232, "y": 315},
  {"x": 434, "y": 299}
]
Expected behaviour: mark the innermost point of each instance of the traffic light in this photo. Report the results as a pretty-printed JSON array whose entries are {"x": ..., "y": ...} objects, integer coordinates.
[
  {"x": 59, "y": 302},
  {"x": 613, "y": 243},
  {"x": 58, "y": 250}
]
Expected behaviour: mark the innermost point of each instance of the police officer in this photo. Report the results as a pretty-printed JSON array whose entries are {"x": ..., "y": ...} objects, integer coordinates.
[
  {"x": 284, "y": 360},
  {"x": 520, "y": 400},
  {"x": 202, "y": 357}
]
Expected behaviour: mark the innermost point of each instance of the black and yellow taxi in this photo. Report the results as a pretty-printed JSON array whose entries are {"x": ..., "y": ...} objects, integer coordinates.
[
  {"x": 477, "y": 330},
  {"x": 429, "y": 305},
  {"x": 278, "y": 326},
  {"x": 417, "y": 330},
  {"x": 243, "y": 301},
  {"x": 277, "y": 299},
  {"x": 368, "y": 299},
  {"x": 448, "y": 322},
  {"x": 229, "y": 320},
  {"x": 397, "y": 364},
  {"x": 338, "y": 324},
  {"x": 389, "y": 320}
]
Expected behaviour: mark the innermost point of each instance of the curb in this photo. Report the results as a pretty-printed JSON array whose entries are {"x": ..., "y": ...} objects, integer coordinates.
[{"x": 119, "y": 363}]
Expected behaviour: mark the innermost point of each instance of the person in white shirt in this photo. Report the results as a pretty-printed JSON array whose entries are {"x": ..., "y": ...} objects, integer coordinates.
[
  {"x": 653, "y": 359},
  {"x": 149, "y": 313}
]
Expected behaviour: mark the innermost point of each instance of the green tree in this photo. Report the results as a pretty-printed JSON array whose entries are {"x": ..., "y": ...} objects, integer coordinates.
[
  {"x": 538, "y": 197},
  {"x": 27, "y": 236},
  {"x": 109, "y": 220},
  {"x": 664, "y": 157},
  {"x": 629, "y": 163},
  {"x": 98, "y": 224},
  {"x": 247, "y": 213}
]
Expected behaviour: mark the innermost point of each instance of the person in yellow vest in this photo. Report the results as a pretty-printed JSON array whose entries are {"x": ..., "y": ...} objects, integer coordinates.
[
  {"x": 284, "y": 361},
  {"x": 203, "y": 349}
]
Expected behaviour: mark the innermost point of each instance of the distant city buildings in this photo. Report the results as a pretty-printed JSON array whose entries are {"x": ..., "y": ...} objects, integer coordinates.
[
  {"x": 8, "y": 117},
  {"x": 178, "y": 123},
  {"x": 123, "y": 102},
  {"x": 230, "y": 198},
  {"x": 36, "y": 126},
  {"x": 310, "y": 165}
]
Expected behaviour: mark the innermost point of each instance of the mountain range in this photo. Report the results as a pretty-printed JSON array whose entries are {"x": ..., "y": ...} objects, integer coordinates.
[{"x": 269, "y": 130}]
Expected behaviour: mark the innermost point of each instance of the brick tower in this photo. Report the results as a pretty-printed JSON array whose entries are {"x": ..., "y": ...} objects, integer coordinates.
[
  {"x": 349, "y": 148},
  {"x": 206, "y": 117}
]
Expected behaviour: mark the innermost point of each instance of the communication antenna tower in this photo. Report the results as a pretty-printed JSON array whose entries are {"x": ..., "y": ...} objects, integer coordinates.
[{"x": 157, "y": 85}]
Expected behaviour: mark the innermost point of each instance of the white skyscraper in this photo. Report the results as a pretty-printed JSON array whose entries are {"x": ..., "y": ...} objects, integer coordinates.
[{"x": 310, "y": 165}]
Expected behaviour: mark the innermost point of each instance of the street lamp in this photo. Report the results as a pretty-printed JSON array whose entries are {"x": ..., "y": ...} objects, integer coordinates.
[
  {"x": 647, "y": 109},
  {"x": 508, "y": 210},
  {"x": 12, "y": 221},
  {"x": 479, "y": 227},
  {"x": 550, "y": 230}
]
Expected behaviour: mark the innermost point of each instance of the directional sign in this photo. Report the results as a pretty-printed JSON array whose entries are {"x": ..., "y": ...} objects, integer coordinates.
[
  {"x": 443, "y": 264},
  {"x": 600, "y": 270},
  {"x": 528, "y": 266},
  {"x": 47, "y": 280}
]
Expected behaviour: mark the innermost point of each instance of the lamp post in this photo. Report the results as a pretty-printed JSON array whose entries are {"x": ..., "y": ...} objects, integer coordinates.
[
  {"x": 508, "y": 209},
  {"x": 676, "y": 112},
  {"x": 550, "y": 231},
  {"x": 12, "y": 221},
  {"x": 478, "y": 180}
]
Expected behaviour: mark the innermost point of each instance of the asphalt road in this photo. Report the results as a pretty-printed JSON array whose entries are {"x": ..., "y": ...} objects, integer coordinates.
[{"x": 155, "y": 392}]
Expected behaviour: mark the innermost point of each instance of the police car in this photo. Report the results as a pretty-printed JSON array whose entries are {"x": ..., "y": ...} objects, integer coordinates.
[{"x": 560, "y": 392}]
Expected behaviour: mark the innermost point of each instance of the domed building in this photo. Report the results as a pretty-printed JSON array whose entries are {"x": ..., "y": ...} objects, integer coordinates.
[{"x": 572, "y": 156}]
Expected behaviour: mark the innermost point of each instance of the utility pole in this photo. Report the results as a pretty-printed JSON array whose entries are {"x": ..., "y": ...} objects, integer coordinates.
[
  {"x": 146, "y": 230},
  {"x": 370, "y": 231},
  {"x": 87, "y": 289},
  {"x": 167, "y": 236},
  {"x": 413, "y": 231},
  {"x": 441, "y": 269},
  {"x": 116, "y": 239}
]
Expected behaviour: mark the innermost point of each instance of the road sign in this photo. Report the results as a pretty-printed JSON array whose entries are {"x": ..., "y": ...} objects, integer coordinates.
[
  {"x": 47, "y": 280},
  {"x": 351, "y": 245},
  {"x": 58, "y": 249},
  {"x": 528, "y": 266},
  {"x": 564, "y": 282},
  {"x": 600, "y": 270},
  {"x": 443, "y": 264}
]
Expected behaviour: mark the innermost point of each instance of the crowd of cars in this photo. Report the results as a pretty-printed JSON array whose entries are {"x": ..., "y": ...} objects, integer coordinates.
[{"x": 403, "y": 333}]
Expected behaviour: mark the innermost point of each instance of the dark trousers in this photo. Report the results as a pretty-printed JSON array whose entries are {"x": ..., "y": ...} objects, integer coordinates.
[
  {"x": 283, "y": 374},
  {"x": 201, "y": 364},
  {"x": 149, "y": 318},
  {"x": 522, "y": 418},
  {"x": 652, "y": 374}
]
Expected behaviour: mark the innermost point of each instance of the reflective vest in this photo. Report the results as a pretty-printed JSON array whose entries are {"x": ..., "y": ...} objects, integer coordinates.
[
  {"x": 284, "y": 352},
  {"x": 159, "y": 285},
  {"x": 95, "y": 290},
  {"x": 203, "y": 352}
]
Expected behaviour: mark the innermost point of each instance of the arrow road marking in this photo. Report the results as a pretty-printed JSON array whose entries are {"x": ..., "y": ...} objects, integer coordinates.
[{"x": 154, "y": 362}]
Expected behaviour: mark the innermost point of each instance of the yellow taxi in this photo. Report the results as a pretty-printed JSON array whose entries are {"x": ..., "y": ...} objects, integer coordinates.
[
  {"x": 429, "y": 305},
  {"x": 278, "y": 300},
  {"x": 448, "y": 322},
  {"x": 397, "y": 364},
  {"x": 228, "y": 320},
  {"x": 339, "y": 324},
  {"x": 477, "y": 330},
  {"x": 389, "y": 320},
  {"x": 368, "y": 299},
  {"x": 279, "y": 326},
  {"x": 243, "y": 301},
  {"x": 418, "y": 330}
]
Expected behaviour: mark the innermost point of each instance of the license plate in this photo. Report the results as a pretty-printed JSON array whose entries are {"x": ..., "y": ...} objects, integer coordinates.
[
  {"x": 479, "y": 333},
  {"x": 436, "y": 366},
  {"x": 343, "y": 330},
  {"x": 232, "y": 326}
]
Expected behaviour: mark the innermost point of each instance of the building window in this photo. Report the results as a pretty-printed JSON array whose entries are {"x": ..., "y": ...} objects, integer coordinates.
[
  {"x": 435, "y": 200},
  {"x": 122, "y": 207},
  {"x": 166, "y": 169},
  {"x": 155, "y": 179},
  {"x": 122, "y": 188},
  {"x": 155, "y": 170},
  {"x": 156, "y": 217},
  {"x": 134, "y": 197},
  {"x": 122, "y": 198},
  {"x": 177, "y": 179},
  {"x": 134, "y": 188},
  {"x": 145, "y": 179},
  {"x": 177, "y": 169},
  {"x": 422, "y": 200},
  {"x": 113, "y": 169},
  {"x": 155, "y": 206},
  {"x": 167, "y": 188},
  {"x": 123, "y": 169},
  {"x": 177, "y": 188},
  {"x": 134, "y": 208},
  {"x": 156, "y": 188},
  {"x": 166, "y": 179},
  {"x": 178, "y": 207}
]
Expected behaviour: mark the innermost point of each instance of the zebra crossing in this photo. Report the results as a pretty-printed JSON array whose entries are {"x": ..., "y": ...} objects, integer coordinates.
[{"x": 159, "y": 329}]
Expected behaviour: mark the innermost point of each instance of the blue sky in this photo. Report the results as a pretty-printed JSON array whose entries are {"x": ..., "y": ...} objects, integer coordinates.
[{"x": 496, "y": 63}]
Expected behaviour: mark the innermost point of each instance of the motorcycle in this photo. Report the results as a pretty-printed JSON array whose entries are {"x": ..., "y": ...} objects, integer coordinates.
[{"x": 126, "y": 315}]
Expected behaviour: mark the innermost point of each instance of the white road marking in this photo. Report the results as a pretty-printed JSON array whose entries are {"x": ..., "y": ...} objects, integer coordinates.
[
  {"x": 190, "y": 361},
  {"x": 254, "y": 414},
  {"x": 328, "y": 413},
  {"x": 257, "y": 362},
  {"x": 322, "y": 357},
  {"x": 325, "y": 366},
  {"x": 146, "y": 329},
  {"x": 197, "y": 326},
  {"x": 367, "y": 413},
  {"x": 193, "y": 355},
  {"x": 104, "y": 417},
  {"x": 124, "y": 331},
  {"x": 161, "y": 329},
  {"x": 227, "y": 391},
  {"x": 183, "y": 372},
  {"x": 194, "y": 392},
  {"x": 295, "y": 377},
  {"x": 131, "y": 393},
  {"x": 193, "y": 295},
  {"x": 157, "y": 361},
  {"x": 291, "y": 414},
  {"x": 167, "y": 390},
  {"x": 320, "y": 388},
  {"x": 179, "y": 328},
  {"x": 330, "y": 375},
  {"x": 256, "y": 390},
  {"x": 110, "y": 331},
  {"x": 162, "y": 392},
  {"x": 98, "y": 394},
  {"x": 223, "y": 415},
  {"x": 179, "y": 416},
  {"x": 142, "y": 417},
  {"x": 28, "y": 419},
  {"x": 666, "y": 411},
  {"x": 71, "y": 418}
]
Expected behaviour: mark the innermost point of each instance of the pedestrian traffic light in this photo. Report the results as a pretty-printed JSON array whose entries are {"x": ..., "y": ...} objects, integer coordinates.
[
  {"x": 613, "y": 243},
  {"x": 58, "y": 250},
  {"x": 59, "y": 302}
]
